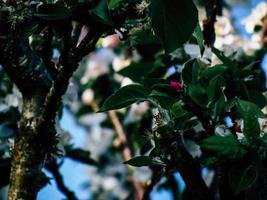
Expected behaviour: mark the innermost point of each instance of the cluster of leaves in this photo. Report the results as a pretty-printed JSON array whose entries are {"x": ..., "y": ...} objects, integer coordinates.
[{"x": 209, "y": 94}]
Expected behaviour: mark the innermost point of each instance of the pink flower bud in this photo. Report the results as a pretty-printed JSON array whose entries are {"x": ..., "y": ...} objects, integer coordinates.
[{"x": 176, "y": 85}]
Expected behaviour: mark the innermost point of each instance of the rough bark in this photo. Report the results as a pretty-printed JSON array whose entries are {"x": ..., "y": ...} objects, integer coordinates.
[
  {"x": 39, "y": 111},
  {"x": 29, "y": 153}
]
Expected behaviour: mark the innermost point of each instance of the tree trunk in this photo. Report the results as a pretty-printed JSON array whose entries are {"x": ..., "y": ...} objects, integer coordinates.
[{"x": 28, "y": 154}]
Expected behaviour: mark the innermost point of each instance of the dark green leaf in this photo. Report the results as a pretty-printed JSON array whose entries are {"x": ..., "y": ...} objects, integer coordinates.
[
  {"x": 230, "y": 104},
  {"x": 198, "y": 34},
  {"x": 251, "y": 126},
  {"x": 137, "y": 71},
  {"x": 101, "y": 13},
  {"x": 227, "y": 61},
  {"x": 53, "y": 12},
  {"x": 245, "y": 108},
  {"x": 198, "y": 95},
  {"x": 249, "y": 108},
  {"x": 164, "y": 94},
  {"x": 138, "y": 36},
  {"x": 183, "y": 119},
  {"x": 223, "y": 147},
  {"x": 125, "y": 96},
  {"x": 214, "y": 88},
  {"x": 150, "y": 82},
  {"x": 140, "y": 161},
  {"x": 113, "y": 4},
  {"x": 241, "y": 177},
  {"x": 209, "y": 161},
  {"x": 219, "y": 105},
  {"x": 177, "y": 110},
  {"x": 247, "y": 70},
  {"x": 81, "y": 156},
  {"x": 257, "y": 98},
  {"x": 213, "y": 71},
  {"x": 163, "y": 90},
  {"x": 28, "y": 29},
  {"x": 173, "y": 21},
  {"x": 190, "y": 71}
]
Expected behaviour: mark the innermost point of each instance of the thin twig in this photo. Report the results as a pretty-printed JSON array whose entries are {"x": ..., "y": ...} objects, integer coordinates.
[
  {"x": 126, "y": 151},
  {"x": 53, "y": 167},
  {"x": 46, "y": 50},
  {"x": 120, "y": 134}
]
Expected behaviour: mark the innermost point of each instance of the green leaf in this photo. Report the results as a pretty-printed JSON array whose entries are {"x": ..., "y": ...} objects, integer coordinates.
[
  {"x": 163, "y": 90},
  {"x": 227, "y": 61},
  {"x": 251, "y": 126},
  {"x": 53, "y": 12},
  {"x": 150, "y": 82},
  {"x": 113, "y": 4},
  {"x": 28, "y": 29},
  {"x": 164, "y": 94},
  {"x": 219, "y": 105},
  {"x": 209, "y": 161},
  {"x": 247, "y": 70},
  {"x": 137, "y": 71},
  {"x": 101, "y": 12},
  {"x": 125, "y": 96},
  {"x": 223, "y": 147},
  {"x": 257, "y": 97},
  {"x": 241, "y": 177},
  {"x": 140, "y": 161},
  {"x": 198, "y": 34},
  {"x": 173, "y": 21},
  {"x": 178, "y": 111},
  {"x": 180, "y": 114},
  {"x": 139, "y": 36},
  {"x": 81, "y": 156},
  {"x": 213, "y": 71},
  {"x": 245, "y": 108},
  {"x": 183, "y": 119},
  {"x": 230, "y": 104},
  {"x": 249, "y": 108},
  {"x": 198, "y": 95},
  {"x": 214, "y": 88},
  {"x": 190, "y": 72}
]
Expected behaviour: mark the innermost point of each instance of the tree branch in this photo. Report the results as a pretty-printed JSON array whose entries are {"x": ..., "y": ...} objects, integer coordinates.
[
  {"x": 190, "y": 172},
  {"x": 126, "y": 151},
  {"x": 46, "y": 51},
  {"x": 213, "y": 8},
  {"x": 23, "y": 66},
  {"x": 53, "y": 167}
]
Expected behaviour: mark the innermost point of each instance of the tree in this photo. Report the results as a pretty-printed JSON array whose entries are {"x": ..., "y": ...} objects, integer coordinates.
[{"x": 189, "y": 106}]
